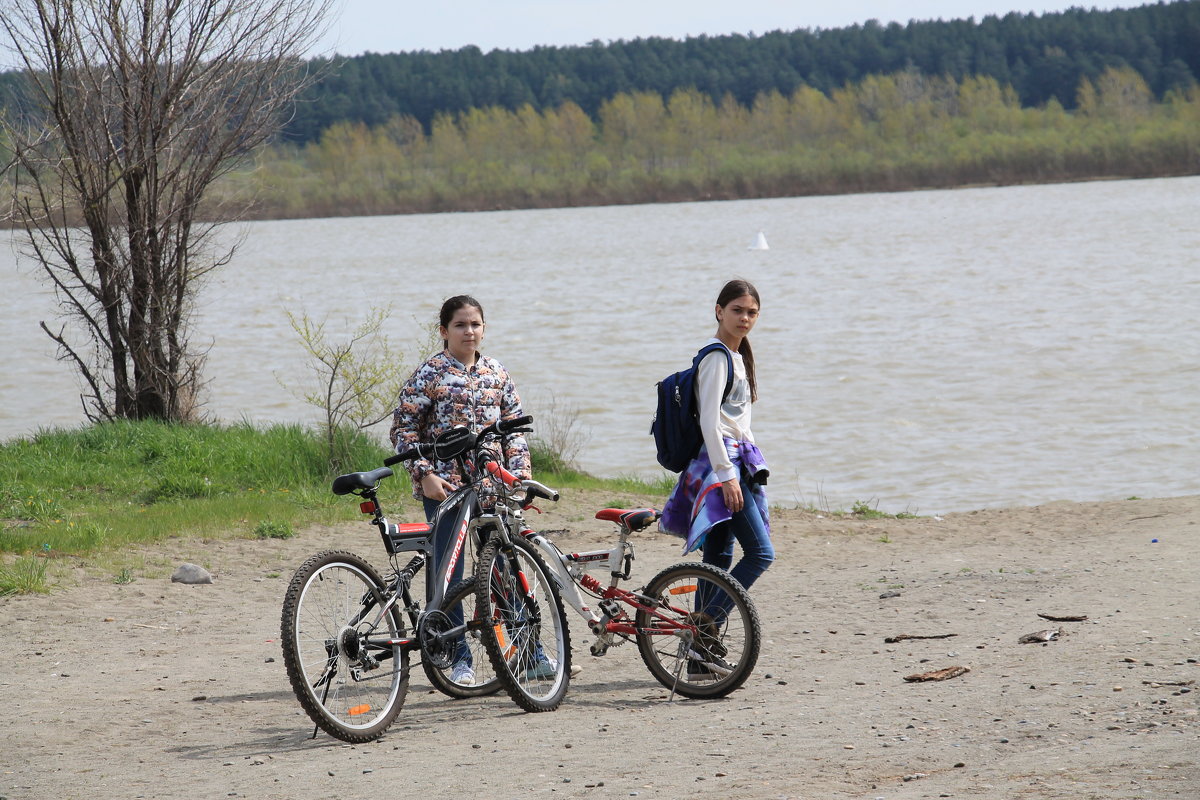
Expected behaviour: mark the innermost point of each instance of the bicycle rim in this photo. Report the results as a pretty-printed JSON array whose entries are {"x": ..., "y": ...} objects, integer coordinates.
[
  {"x": 527, "y": 637},
  {"x": 350, "y": 683},
  {"x": 705, "y": 638}
]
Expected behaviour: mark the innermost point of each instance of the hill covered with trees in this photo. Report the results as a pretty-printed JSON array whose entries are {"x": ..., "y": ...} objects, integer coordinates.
[
  {"x": 1014, "y": 99},
  {"x": 884, "y": 133},
  {"x": 1042, "y": 58}
]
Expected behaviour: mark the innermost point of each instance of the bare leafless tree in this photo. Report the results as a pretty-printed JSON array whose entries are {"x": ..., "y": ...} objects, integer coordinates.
[{"x": 134, "y": 108}]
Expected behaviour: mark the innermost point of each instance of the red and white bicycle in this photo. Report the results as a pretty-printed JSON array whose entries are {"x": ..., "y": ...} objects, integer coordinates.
[{"x": 695, "y": 626}]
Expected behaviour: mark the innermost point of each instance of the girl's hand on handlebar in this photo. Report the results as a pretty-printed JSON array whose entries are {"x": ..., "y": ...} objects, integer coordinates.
[
  {"x": 435, "y": 488},
  {"x": 731, "y": 491}
]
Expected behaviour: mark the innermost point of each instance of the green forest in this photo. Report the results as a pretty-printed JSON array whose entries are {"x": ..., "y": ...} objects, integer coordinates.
[
  {"x": 1042, "y": 58},
  {"x": 1016, "y": 99},
  {"x": 885, "y": 133}
]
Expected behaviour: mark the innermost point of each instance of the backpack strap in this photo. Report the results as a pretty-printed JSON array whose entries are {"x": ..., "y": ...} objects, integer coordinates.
[{"x": 708, "y": 348}]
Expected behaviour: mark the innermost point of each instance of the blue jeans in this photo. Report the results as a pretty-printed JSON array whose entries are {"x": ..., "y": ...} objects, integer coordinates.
[
  {"x": 748, "y": 529},
  {"x": 443, "y": 539}
]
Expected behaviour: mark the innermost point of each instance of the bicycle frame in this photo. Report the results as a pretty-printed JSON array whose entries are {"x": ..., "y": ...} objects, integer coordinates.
[
  {"x": 569, "y": 570},
  {"x": 419, "y": 538}
]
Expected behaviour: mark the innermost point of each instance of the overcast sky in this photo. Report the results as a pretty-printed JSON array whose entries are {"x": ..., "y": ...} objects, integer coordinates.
[{"x": 389, "y": 26}]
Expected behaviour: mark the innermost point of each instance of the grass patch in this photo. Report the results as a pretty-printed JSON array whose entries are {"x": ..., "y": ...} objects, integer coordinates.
[
  {"x": 864, "y": 510},
  {"x": 122, "y": 483},
  {"x": 567, "y": 478},
  {"x": 96, "y": 491},
  {"x": 24, "y": 576},
  {"x": 274, "y": 529}
]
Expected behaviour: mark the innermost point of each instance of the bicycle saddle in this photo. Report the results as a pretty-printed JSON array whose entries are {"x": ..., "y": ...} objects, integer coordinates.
[
  {"x": 345, "y": 484},
  {"x": 634, "y": 519}
]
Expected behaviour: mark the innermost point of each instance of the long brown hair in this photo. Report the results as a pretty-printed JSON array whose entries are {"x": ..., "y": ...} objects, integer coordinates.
[{"x": 730, "y": 292}]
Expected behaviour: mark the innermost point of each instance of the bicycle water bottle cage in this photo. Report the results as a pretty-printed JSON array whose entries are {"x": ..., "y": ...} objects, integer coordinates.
[
  {"x": 453, "y": 443},
  {"x": 360, "y": 481}
]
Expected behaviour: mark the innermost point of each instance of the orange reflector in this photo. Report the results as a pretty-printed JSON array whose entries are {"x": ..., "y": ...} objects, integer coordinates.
[
  {"x": 688, "y": 589},
  {"x": 358, "y": 710},
  {"x": 505, "y": 648}
]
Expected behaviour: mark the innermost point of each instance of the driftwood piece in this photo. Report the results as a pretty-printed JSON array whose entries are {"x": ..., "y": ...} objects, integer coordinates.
[
  {"x": 900, "y": 637},
  {"x": 1168, "y": 683},
  {"x": 938, "y": 674},
  {"x": 1067, "y": 618},
  {"x": 1042, "y": 637}
]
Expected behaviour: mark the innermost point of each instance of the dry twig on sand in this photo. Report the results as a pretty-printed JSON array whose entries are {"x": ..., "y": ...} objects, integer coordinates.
[
  {"x": 900, "y": 637},
  {"x": 938, "y": 675}
]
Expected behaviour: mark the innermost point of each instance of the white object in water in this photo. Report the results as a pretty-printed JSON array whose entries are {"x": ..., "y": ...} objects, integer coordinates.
[{"x": 760, "y": 242}]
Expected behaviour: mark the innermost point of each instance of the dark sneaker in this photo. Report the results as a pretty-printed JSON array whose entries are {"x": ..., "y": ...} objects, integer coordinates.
[
  {"x": 699, "y": 672},
  {"x": 707, "y": 633}
]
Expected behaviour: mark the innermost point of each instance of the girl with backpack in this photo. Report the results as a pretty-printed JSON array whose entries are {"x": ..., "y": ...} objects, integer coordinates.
[{"x": 720, "y": 498}]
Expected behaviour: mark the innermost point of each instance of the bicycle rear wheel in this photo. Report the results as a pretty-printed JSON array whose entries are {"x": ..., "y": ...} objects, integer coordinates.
[
  {"x": 472, "y": 653},
  {"x": 704, "y": 638},
  {"x": 340, "y": 651},
  {"x": 527, "y": 638}
]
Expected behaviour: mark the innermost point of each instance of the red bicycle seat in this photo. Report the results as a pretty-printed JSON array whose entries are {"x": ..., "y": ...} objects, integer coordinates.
[{"x": 634, "y": 519}]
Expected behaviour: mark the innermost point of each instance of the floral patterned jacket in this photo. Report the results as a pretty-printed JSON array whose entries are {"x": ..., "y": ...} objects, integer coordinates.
[{"x": 443, "y": 393}]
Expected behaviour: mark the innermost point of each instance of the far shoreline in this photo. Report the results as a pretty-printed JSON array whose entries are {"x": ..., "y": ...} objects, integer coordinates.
[
  {"x": 709, "y": 197},
  {"x": 664, "y": 198}
]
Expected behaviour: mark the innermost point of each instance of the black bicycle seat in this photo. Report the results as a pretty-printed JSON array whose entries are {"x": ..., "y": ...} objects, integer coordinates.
[{"x": 360, "y": 481}]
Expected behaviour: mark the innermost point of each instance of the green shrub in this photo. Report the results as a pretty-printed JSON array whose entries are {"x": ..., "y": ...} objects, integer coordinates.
[{"x": 274, "y": 529}]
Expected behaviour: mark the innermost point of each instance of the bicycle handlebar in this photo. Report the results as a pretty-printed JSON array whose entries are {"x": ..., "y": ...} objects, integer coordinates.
[
  {"x": 458, "y": 440},
  {"x": 531, "y": 487},
  {"x": 420, "y": 450},
  {"x": 500, "y": 473},
  {"x": 505, "y": 427},
  {"x": 540, "y": 490}
]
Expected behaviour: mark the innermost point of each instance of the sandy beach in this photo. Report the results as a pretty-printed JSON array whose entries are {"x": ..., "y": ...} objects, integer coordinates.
[{"x": 160, "y": 690}]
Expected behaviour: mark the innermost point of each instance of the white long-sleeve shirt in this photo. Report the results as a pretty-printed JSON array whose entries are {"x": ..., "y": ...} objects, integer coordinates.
[{"x": 730, "y": 419}]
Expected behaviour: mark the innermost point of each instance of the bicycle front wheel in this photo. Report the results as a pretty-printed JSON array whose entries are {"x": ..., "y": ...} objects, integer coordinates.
[
  {"x": 470, "y": 673},
  {"x": 341, "y": 649},
  {"x": 702, "y": 638},
  {"x": 526, "y": 635}
]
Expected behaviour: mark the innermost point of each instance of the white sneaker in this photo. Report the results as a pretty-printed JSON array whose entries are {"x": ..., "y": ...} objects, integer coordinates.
[{"x": 462, "y": 674}]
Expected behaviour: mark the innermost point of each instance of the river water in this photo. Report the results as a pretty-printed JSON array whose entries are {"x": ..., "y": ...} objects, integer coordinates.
[{"x": 922, "y": 352}]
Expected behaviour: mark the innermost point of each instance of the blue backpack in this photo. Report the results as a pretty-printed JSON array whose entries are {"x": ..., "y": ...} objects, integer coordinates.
[{"x": 676, "y": 426}]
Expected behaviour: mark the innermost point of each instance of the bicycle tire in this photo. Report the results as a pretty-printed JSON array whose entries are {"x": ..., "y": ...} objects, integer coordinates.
[
  {"x": 723, "y": 653},
  {"x": 530, "y": 652},
  {"x": 486, "y": 682},
  {"x": 351, "y": 690}
]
